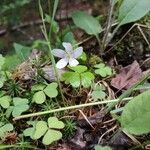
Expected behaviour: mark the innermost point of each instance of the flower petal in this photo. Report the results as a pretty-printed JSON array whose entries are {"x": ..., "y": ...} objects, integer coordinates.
[
  {"x": 58, "y": 53},
  {"x": 62, "y": 63},
  {"x": 73, "y": 62},
  {"x": 68, "y": 47},
  {"x": 78, "y": 51}
]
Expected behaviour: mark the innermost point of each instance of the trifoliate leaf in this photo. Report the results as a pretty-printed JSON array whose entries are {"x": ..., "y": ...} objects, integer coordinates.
[
  {"x": 98, "y": 95},
  {"x": 5, "y": 128},
  {"x": 98, "y": 147},
  {"x": 86, "y": 79},
  {"x": 39, "y": 97},
  {"x": 29, "y": 132},
  {"x": 103, "y": 70},
  {"x": 51, "y": 136},
  {"x": 79, "y": 68},
  {"x": 38, "y": 87},
  {"x": 20, "y": 106},
  {"x": 51, "y": 90},
  {"x": 53, "y": 122},
  {"x": 5, "y": 101},
  {"x": 40, "y": 129},
  {"x": 75, "y": 80}
]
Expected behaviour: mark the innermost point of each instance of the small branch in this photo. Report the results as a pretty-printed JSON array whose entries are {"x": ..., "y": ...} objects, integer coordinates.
[
  {"x": 69, "y": 108},
  {"x": 108, "y": 26}
]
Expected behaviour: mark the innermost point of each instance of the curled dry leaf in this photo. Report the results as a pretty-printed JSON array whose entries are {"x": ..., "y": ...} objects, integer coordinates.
[{"x": 127, "y": 77}]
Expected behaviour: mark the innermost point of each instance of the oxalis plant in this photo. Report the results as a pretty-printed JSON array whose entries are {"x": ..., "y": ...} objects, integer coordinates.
[{"x": 77, "y": 75}]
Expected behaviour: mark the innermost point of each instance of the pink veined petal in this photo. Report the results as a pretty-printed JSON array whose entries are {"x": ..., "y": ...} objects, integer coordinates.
[
  {"x": 58, "y": 53},
  {"x": 62, "y": 63},
  {"x": 73, "y": 62},
  {"x": 78, "y": 52},
  {"x": 68, "y": 47}
]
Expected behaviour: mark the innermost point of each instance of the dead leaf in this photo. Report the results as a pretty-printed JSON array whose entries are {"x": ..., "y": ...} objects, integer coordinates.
[
  {"x": 127, "y": 77},
  {"x": 78, "y": 140}
]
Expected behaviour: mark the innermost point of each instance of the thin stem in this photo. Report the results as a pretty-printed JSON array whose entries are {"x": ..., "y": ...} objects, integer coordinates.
[
  {"x": 50, "y": 50},
  {"x": 70, "y": 107},
  {"x": 108, "y": 26},
  {"x": 99, "y": 43},
  {"x": 53, "y": 15}
]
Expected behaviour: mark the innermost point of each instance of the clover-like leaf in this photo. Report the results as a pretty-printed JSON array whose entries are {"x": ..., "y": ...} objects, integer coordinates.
[
  {"x": 98, "y": 147},
  {"x": 53, "y": 122},
  {"x": 51, "y": 90},
  {"x": 103, "y": 70},
  {"x": 30, "y": 131},
  {"x": 79, "y": 68},
  {"x": 46, "y": 129},
  {"x": 5, "y": 101},
  {"x": 20, "y": 106},
  {"x": 79, "y": 77},
  {"x": 38, "y": 87},
  {"x": 4, "y": 128},
  {"x": 40, "y": 129},
  {"x": 98, "y": 95},
  {"x": 86, "y": 79},
  {"x": 39, "y": 97},
  {"x": 51, "y": 136}
]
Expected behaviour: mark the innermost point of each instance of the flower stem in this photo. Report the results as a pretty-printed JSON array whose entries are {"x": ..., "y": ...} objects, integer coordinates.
[{"x": 44, "y": 30}]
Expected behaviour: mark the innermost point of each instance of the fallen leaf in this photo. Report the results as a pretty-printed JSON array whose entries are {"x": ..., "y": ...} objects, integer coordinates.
[
  {"x": 127, "y": 77},
  {"x": 78, "y": 140}
]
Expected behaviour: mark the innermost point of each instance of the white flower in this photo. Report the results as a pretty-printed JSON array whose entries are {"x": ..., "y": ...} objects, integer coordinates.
[{"x": 67, "y": 56}]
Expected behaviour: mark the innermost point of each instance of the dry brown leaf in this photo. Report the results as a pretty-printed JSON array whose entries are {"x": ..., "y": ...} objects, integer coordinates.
[{"x": 127, "y": 77}]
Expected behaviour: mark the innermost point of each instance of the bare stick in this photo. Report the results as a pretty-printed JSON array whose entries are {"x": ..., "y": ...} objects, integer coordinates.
[{"x": 108, "y": 26}]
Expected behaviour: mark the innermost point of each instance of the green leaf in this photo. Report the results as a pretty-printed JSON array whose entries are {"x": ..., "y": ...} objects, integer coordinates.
[
  {"x": 20, "y": 106},
  {"x": 2, "y": 61},
  {"x": 39, "y": 97},
  {"x": 98, "y": 95},
  {"x": 5, "y": 128},
  {"x": 5, "y": 101},
  {"x": 103, "y": 70},
  {"x": 133, "y": 10},
  {"x": 54, "y": 24},
  {"x": 53, "y": 122},
  {"x": 79, "y": 68},
  {"x": 69, "y": 37},
  {"x": 135, "y": 118},
  {"x": 22, "y": 51},
  {"x": 51, "y": 136},
  {"x": 10, "y": 63},
  {"x": 40, "y": 129},
  {"x": 86, "y": 79},
  {"x": 29, "y": 132},
  {"x": 51, "y": 90},
  {"x": 79, "y": 77},
  {"x": 86, "y": 22},
  {"x": 75, "y": 80},
  {"x": 38, "y": 87},
  {"x": 98, "y": 147}
]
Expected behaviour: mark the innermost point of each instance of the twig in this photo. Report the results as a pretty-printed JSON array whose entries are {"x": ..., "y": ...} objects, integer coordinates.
[
  {"x": 113, "y": 128},
  {"x": 145, "y": 38},
  {"x": 69, "y": 108},
  {"x": 144, "y": 26},
  {"x": 108, "y": 26}
]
